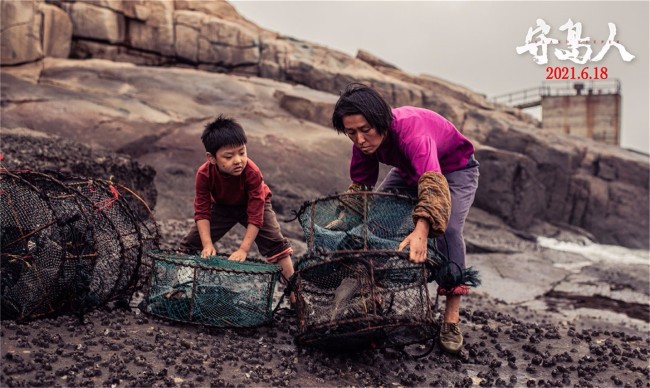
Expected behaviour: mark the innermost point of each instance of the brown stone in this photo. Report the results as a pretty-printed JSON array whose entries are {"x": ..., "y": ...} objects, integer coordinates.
[
  {"x": 227, "y": 43},
  {"x": 98, "y": 23},
  {"x": 57, "y": 31},
  {"x": 319, "y": 112},
  {"x": 114, "y": 5},
  {"x": 187, "y": 26},
  {"x": 20, "y": 41},
  {"x": 152, "y": 26},
  {"x": 373, "y": 60}
]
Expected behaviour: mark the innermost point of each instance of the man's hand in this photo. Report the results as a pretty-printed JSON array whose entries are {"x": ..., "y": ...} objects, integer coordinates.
[
  {"x": 208, "y": 251},
  {"x": 238, "y": 255},
  {"x": 417, "y": 240}
]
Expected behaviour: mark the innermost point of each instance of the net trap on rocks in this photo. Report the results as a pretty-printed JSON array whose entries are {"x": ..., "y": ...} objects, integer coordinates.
[
  {"x": 70, "y": 244},
  {"x": 213, "y": 291},
  {"x": 353, "y": 289}
]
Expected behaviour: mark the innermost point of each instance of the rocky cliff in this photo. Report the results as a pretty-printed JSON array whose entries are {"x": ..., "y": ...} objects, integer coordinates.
[
  {"x": 135, "y": 81},
  {"x": 282, "y": 89}
]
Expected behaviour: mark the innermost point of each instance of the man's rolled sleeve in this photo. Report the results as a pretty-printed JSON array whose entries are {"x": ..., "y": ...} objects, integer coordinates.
[{"x": 434, "y": 202}]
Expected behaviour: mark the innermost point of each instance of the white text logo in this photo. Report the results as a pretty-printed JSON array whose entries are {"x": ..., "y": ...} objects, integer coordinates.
[{"x": 578, "y": 48}]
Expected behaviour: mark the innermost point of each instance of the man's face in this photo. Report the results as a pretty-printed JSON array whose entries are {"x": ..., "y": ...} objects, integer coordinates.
[
  {"x": 230, "y": 160},
  {"x": 364, "y": 137}
]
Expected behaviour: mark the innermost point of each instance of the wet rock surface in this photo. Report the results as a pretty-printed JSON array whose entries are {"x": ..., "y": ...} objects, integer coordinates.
[
  {"x": 506, "y": 344},
  {"x": 25, "y": 149},
  {"x": 503, "y": 348}
]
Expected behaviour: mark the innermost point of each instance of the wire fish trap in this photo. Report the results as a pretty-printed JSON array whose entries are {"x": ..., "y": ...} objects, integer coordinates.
[
  {"x": 363, "y": 221},
  {"x": 364, "y": 299},
  {"x": 214, "y": 291},
  {"x": 135, "y": 227},
  {"x": 61, "y": 252},
  {"x": 353, "y": 288}
]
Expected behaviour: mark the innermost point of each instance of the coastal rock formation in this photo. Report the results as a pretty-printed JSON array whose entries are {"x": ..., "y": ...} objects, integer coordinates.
[
  {"x": 20, "y": 39},
  {"x": 109, "y": 88},
  {"x": 527, "y": 174},
  {"x": 156, "y": 116}
]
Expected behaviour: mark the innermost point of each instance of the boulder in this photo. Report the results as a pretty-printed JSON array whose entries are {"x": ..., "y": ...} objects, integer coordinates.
[
  {"x": 508, "y": 186},
  {"x": 97, "y": 23},
  {"x": 187, "y": 29},
  {"x": 374, "y": 61},
  {"x": 531, "y": 174},
  {"x": 57, "y": 31},
  {"x": 151, "y": 26},
  {"x": 87, "y": 49},
  {"x": 312, "y": 109},
  {"x": 20, "y": 41},
  {"x": 227, "y": 44},
  {"x": 220, "y": 9},
  {"x": 114, "y": 5}
]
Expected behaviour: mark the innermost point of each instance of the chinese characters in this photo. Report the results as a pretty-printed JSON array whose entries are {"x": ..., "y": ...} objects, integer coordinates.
[{"x": 578, "y": 48}]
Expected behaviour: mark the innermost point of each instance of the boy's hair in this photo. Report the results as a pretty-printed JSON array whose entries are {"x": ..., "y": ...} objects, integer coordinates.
[
  {"x": 360, "y": 99},
  {"x": 221, "y": 132}
]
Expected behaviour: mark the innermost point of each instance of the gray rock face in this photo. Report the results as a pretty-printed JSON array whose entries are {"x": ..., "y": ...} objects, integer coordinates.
[
  {"x": 57, "y": 32},
  {"x": 20, "y": 38},
  {"x": 156, "y": 115},
  {"x": 538, "y": 175},
  {"x": 96, "y": 22},
  {"x": 526, "y": 174}
]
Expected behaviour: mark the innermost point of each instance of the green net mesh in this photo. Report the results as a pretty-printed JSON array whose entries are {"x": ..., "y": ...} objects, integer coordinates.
[
  {"x": 358, "y": 221},
  {"x": 65, "y": 251},
  {"x": 353, "y": 288},
  {"x": 214, "y": 291}
]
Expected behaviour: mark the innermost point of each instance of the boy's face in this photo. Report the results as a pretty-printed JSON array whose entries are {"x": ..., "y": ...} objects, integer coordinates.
[{"x": 230, "y": 160}]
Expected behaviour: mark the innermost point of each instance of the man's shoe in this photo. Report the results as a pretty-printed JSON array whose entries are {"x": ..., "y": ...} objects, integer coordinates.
[{"x": 451, "y": 339}]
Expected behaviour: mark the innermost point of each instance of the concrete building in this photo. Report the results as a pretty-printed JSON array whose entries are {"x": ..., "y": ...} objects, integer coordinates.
[{"x": 589, "y": 109}]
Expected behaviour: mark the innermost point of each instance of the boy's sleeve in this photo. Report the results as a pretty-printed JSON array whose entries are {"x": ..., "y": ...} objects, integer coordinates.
[
  {"x": 202, "y": 197},
  {"x": 256, "y": 197},
  {"x": 364, "y": 169}
]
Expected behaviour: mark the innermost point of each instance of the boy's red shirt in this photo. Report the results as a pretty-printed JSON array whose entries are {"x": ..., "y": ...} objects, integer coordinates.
[{"x": 246, "y": 189}]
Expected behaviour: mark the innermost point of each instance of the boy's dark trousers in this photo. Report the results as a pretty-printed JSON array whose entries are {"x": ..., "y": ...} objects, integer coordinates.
[{"x": 270, "y": 241}]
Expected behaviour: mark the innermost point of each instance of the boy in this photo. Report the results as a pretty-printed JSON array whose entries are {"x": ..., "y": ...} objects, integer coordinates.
[{"x": 230, "y": 189}]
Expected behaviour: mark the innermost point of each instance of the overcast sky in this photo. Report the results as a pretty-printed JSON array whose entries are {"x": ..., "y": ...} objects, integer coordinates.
[{"x": 474, "y": 43}]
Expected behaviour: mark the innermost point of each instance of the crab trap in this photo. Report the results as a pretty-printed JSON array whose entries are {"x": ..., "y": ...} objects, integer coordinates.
[
  {"x": 70, "y": 244},
  {"x": 353, "y": 288},
  {"x": 213, "y": 291}
]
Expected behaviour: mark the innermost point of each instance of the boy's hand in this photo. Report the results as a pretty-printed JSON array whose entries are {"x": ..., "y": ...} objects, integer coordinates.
[
  {"x": 208, "y": 251},
  {"x": 238, "y": 255}
]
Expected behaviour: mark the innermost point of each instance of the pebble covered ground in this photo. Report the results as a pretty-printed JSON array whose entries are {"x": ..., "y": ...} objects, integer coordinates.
[
  {"x": 123, "y": 347},
  {"x": 504, "y": 346}
]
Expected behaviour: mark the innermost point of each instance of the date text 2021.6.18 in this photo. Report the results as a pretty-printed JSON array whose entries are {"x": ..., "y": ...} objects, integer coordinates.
[{"x": 566, "y": 72}]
